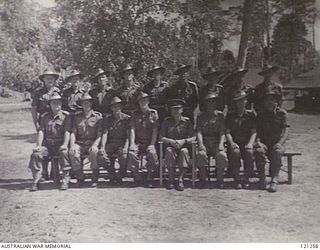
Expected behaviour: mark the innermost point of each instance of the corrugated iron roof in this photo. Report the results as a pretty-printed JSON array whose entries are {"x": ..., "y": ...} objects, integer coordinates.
[{"x": 310, "y": 79}]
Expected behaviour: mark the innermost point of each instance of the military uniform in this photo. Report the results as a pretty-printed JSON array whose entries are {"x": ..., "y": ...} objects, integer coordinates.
[
  {"x": 157, "y": 98},
  {"x": 177, "y": 131},
  {"x": 53, "y": 128},
  {"x": 102, "y": 100},
  {"x": 40, "y": 99},
  {"x": 71, "y": 100},
  {"x": 261, "y": 89},
  {"x": 143, "y": 124},
  {"x": 129, "y": 95},
  {"x": 185, "y": 91},
  {"x": 86, "y": 131},
  {"x": 240, "y": 128},
  {"x": 266, "y": 86},
  {"x": 117, "y": 135},
  {"x": 211, "y": 127},
  {"x": 269, "y": 128},
  {"x": 233, "y": 84}
]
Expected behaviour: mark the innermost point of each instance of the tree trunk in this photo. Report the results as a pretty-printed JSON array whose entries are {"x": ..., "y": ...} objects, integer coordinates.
[
  {"x": 243, "y": 47},
  {"x": 268, "y": 32}
]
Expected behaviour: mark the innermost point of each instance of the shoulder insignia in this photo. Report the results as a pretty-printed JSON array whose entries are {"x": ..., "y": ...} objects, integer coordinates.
[
  {"x": 44, "y": 114},
  {"x": 65, "y": 112},
  {"x": 184, "y": 118},
  {"x": 193, "y": 83},
  {"x": 97, "y": 114}
]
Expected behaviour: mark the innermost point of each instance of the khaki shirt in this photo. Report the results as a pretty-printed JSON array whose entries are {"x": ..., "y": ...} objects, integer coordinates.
[
  {"x": 40, "y": 100},
  {"x": 117, "y": 128},
  {"x": 270, "y": 125},
  {"x": 187, "y": 92},
  {"x": 211, "y": 127},
  {"x": 102, "y": 100},
  {"x": 177, "y": 131},
  {"x": 241, "y": 126},
  {"x": 71, "y": 99},
  {"x": 144, "y": 123},
  {"x": 54, "y": 127},
  {"x": 87, "y": 128}
]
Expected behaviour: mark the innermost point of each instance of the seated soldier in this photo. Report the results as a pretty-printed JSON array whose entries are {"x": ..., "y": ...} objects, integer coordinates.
[
  {"x": 177, "y": 132},
  {"x": 53, "y": 140},
  {"x": 272, "y": 129},
  {"x": 115, "y": 140},
  {"x": 85, "y": 139},
  {"x": 241, "y": 135},
  {"x": 210, "y": 130},
  {"x": 143, "y": 136}
]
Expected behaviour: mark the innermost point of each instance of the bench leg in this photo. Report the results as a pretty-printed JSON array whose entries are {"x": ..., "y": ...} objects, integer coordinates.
[
  {"x": 161, "y": 166},
  {"x": 56, "y": 170},
  {"x": 289, "y": 159},
  {"x": 193, "y": 165}
]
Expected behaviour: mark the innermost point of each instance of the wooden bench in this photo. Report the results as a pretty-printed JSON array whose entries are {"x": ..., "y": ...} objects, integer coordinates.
[
  {"x": 289, "y": 156},
  {"x": 288, "y": 168}
]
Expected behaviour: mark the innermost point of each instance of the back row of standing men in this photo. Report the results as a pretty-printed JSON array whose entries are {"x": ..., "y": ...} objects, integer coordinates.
[{"x": 104, "y": 121}]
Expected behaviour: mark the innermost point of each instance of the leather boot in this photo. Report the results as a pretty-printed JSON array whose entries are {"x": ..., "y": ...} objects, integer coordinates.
[
  {"x": 80, "y": 178},
  {"x": 95, "y": 177},
  {"x": 65, "y": 180}
]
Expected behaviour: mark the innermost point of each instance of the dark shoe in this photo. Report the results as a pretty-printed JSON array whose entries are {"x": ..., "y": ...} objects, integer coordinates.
[
  {"x": 246, "y": 185},
  {"x": 94, "y": 184},
  {"x": 64, "y": 186},
  {"x": 34, "y": 187},
  {"x": 170, "y": 185},
  {"x": 80, "y": 183},
  {"x": 150, "y": 184},
  {"x": 138, "y": 183},
  {"x": 45, "y": 176},
  {"x": 220, "y": 185},
  {"x": 201, "y": 184},
  {"x": 273, "y": 187},
  {"x": 238, "y": 185},
  {"x": 180, "y": 186},
  {"x": 262, "y": 185}
]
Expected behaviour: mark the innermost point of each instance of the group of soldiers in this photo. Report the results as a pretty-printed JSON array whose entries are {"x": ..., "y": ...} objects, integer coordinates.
[{"x": 226, "y": 118}]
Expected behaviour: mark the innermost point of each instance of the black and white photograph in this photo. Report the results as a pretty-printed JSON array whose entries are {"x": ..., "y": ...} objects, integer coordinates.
[{"x": 159, "y": 121}]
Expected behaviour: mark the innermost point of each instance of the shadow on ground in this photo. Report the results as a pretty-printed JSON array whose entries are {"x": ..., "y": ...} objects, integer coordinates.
[{"x": 29, "y": 138}]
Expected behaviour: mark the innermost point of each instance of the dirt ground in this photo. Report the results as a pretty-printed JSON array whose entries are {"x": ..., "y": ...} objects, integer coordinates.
[{"x": 127, "y": 214}]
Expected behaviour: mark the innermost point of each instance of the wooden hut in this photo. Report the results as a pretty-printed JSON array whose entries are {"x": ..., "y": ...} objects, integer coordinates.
[{"x": 306, "y": 91}]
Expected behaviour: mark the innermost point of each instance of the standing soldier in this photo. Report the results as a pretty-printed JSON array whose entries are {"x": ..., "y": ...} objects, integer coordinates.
[
  {"x": 273, "y": 129},
  {"x": 211, "y": 77},
  {"x": 210, "y": 128},
  {"x": 85, "y": 139},
  {"x": 144, "y": 135},
  {"x": 103, "y": 93},
  {"x": 115, "y": 140},
  {"x": 241, "y": 135},
  {"x": 233, "y": 84},
  {"x": 40, "y": 101},
  {"x": 156, "y": 89},
  {"x": 266, "y": 86},
  {"x": 53, "y": 140},
  {"x": 72, "y": 95},
  {"x": 40, "y": 104},
  {"x": 177, "y": 133},
  {"x": 129, "y": 90},
  {"x": 185, "y": 90}
]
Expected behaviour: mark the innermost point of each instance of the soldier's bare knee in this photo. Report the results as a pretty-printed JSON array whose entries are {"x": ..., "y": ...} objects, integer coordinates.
[{"x": 184, "y": 151}]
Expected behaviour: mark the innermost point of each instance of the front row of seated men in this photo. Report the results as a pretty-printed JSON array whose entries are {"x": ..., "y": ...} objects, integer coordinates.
[{"x": 87, "y": 134}]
